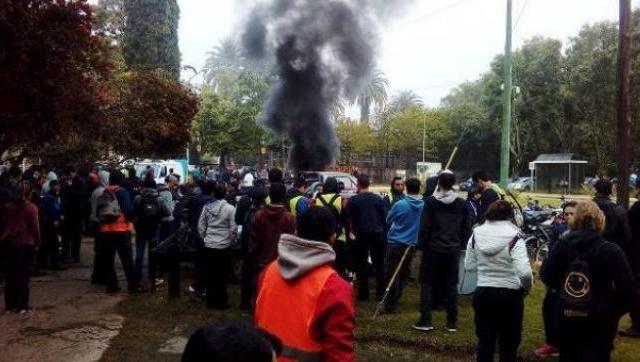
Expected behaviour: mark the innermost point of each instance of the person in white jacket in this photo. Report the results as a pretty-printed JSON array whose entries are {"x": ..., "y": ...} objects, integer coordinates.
[
  {"x": 218, "y": 229},
  {"x": 499, "y": 255}
]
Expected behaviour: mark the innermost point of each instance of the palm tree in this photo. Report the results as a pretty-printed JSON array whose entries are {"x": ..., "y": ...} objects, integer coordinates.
[
  {"x": 374, "y": 92},
  {"x": 225, "y": 61},
  {"x": 405, "y": 100}
]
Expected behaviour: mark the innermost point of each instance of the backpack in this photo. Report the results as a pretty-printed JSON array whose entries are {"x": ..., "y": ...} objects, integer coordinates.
[
  {"x": 576, "y": 291},
  {"x": 108, "y": 207},
  {"x": 329, "y": 206},
  {"x": 149, "y": 208}
]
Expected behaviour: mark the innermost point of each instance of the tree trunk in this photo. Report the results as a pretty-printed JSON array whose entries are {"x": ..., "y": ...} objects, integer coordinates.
[
  {"x": 223, "y": 160},
  {"x": 364, "y": 111}
]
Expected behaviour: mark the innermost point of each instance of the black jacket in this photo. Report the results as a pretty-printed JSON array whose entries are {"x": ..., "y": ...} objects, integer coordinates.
[
  {"x": 633, "y": 254},
  {"x": 617, "y": 229},
  {"x": 488, "y": 197},
  {"x": 611, "y": 278},
  {"x": 367, "y": 213},
  {"x": 73, "y": 199},
  {"x": 444, "y": 227}
]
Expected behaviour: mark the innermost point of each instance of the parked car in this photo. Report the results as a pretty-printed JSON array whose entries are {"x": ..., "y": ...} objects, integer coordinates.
[
  {"x": 350, "y": 182},
  {"x": 521, "y": 184}
]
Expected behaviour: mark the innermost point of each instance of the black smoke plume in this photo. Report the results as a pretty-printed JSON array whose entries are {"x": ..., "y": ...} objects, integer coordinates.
[{"x": 324, "y": 50}]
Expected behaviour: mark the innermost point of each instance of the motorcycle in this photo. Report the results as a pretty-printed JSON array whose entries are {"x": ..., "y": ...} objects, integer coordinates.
[{"x": 537, "y": 227}]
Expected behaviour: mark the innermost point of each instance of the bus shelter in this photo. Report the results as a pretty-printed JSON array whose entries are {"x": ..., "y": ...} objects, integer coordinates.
[{"x": 557, "y": 173}]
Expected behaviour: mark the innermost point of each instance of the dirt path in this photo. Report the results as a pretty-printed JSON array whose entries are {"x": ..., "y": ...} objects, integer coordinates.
[{"x": 73, "y": 320}]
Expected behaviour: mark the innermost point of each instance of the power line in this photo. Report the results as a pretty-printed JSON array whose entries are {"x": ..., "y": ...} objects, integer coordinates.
[
  {"x": 524, "y": 7},
  {"x": 431, "y": 14}
]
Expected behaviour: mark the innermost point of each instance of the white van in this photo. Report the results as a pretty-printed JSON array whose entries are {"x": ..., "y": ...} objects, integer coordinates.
[{"x": 161, "y": 169}]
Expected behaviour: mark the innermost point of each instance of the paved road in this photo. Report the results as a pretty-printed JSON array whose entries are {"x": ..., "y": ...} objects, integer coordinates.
[{"x": 73, "y": 320}]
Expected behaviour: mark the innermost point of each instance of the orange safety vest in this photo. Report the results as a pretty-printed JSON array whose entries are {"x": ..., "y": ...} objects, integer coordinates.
[{"x": 286, "y": 309}]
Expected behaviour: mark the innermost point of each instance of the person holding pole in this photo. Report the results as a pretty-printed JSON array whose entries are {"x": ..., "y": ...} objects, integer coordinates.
[{"x": 403, "y": 222}]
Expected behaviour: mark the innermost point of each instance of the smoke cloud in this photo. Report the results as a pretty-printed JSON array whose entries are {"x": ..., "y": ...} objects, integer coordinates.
[{"x": 324, "y": 50}]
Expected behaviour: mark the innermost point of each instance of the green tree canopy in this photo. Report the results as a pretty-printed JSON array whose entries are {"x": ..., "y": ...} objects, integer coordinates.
[{"x": 150, "y": 39}]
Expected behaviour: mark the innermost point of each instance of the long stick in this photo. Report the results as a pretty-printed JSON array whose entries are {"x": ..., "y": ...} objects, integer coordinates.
[
  {"x": 453, "y": 154},
  {"x": 393, "y": 279}
]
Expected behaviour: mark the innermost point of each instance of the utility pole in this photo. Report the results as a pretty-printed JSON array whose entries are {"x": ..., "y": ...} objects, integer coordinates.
[
  {"x": 505, "y": 147},
  {"x": 624, "y": 116}
]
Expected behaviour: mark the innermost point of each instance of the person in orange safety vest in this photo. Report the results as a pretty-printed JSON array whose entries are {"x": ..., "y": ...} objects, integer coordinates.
[{"x": 301, "y": 298}]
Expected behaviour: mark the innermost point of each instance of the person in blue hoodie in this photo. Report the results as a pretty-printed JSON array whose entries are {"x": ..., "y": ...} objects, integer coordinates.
[
  {"x": 403, "y": 222},
  {"x": 49, "y": 255}
]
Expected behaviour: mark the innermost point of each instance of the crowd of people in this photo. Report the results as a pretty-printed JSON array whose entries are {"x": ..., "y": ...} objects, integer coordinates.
[{"x": 301, "y": 250}]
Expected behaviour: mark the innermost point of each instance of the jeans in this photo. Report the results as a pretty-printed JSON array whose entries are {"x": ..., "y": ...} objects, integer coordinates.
[
  {"x": 145, "y": 236},
  {"x": 100, "y": 262},
  {"x": 342, "y": 258},
  {"x": 71, "y": 239},
  {"x": 248, "y": 283},
  {"x": 16, "y": 294},
  {"x": 49, "y": 253},
  {"x": 498, "y": 318},
  {"x": 119, "y": 242},
  {"x": 218, "y": 264},
  {"x": 392, "y": 260},
  {"x": 373, "y": 244},
  {"x": 439, "y": 270},
  {"x": 549, "y": 317}
]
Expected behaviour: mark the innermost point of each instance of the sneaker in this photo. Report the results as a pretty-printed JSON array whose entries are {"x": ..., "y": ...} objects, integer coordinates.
[
  {"x": 546, "y": 351},
  {"x": 451, "y": 328},
  {"x": 423, "y": 327},
  {"x": 631, "y": 332}
]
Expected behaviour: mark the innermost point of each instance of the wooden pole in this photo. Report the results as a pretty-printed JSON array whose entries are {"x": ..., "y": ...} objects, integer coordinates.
[{"x": 624, "y": 116}]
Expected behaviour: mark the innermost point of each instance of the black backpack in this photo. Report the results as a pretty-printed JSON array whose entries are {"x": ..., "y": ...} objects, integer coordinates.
[
  {"x": 329, "y": 206},
  {"x": 149, "y": 208},
  {"x": 576, "y": 291}
]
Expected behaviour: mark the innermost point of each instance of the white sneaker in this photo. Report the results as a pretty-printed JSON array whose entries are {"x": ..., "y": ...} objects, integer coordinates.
[{"x": 423, "y": 328}]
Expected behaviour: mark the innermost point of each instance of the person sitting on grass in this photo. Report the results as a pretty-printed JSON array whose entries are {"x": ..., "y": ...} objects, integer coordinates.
[{"x": 231, "y": 342}]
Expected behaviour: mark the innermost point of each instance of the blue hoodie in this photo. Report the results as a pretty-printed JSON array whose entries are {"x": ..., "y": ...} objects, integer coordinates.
[{"x": 403, "y": 220}]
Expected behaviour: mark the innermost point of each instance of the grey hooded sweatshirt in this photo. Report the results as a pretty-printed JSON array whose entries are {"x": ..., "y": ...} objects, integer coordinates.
[
  {"x": 217, "y": 225},
  {"x": 498, "y": 267},
  {"x": 297, "y": 256},
  {"x": 104, "y": 181}
]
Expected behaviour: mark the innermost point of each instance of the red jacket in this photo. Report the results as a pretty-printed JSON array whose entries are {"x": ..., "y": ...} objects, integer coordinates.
[
  {"x": 21, "y": 226},
  {"x": 269, "y": 224}
]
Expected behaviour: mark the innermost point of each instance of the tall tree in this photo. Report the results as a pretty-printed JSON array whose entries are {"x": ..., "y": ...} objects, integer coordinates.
[
  {"x": 52, "y": 72},
  {"x": 226, "y": 127},
  {"x": 591, "y": 60},
  {"x": 150, "y": 39},
  {"x": 405, "y": 100},
  {"x": 375, "y": 92},
  {"x": 150, "y": 116},
  {"x": 223, "y": 65}
]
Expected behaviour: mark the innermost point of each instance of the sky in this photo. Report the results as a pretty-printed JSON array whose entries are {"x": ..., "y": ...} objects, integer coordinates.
[{"x": 432, "y": 47}]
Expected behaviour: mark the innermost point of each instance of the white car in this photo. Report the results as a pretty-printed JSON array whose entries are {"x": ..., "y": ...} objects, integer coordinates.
[{"x": 521, "y": 184}]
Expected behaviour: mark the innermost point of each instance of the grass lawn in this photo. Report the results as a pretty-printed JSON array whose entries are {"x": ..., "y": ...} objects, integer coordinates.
[{"x": 151, "y": 320}]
